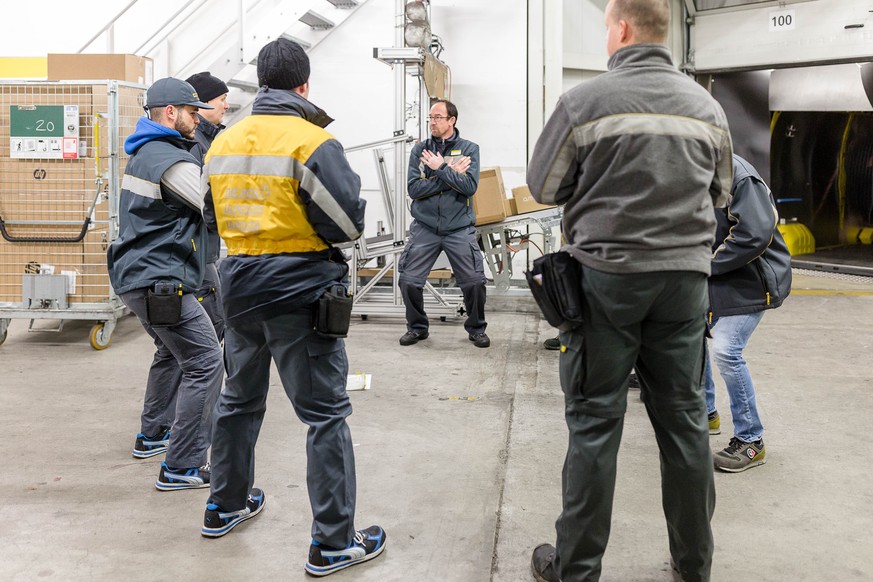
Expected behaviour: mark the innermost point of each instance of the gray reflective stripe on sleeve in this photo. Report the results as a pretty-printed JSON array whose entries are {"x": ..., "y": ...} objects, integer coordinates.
[
  {"x": 141, "y": 187},
  {"x": 282, "y": 166},
  {"x": 564, "y": 159},
  {"x": 724, "y": 172},
  {"x": 183, "y": 178}
]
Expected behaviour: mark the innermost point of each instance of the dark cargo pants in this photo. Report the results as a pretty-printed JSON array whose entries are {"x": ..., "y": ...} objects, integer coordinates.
[
  {"x": 191, "y": 347},
  {"x": 313, "y": 371},
  {"x": 165, "y": 375},
  {"x": 652, "y": 322},
  {"x": 417, "y": 260}
]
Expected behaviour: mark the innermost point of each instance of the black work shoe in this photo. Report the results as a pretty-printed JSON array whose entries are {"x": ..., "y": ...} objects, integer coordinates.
[
  {"x": 553, "y": 343},
  {"x": 217, "y": 522},
  {"x": 368, "y": 544},
  {"x": 633, "y": 383},
  {"x": 149, "y": 446},
  {"x": 542, "y": 564},
  {"x": 412, "y": 337},
  {"x": 480, "y": 340}
]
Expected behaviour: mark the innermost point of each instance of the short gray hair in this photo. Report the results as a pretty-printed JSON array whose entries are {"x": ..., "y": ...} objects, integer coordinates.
[{"x": 649, "y": 18}]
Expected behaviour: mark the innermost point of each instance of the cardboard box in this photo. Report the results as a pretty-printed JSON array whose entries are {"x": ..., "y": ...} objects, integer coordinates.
[
  {"x": 488, "y": 199},
  {"x": 524, "y": 200},
  {"x": 509, "y": 207},
  {"x": 77, "y": 67}
]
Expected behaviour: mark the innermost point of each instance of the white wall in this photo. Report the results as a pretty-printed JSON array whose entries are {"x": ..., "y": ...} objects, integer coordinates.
[{"x": 489, "y": 85}]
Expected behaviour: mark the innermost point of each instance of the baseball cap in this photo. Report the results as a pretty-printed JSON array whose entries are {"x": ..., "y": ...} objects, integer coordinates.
[{"x": 171, "y": 91}]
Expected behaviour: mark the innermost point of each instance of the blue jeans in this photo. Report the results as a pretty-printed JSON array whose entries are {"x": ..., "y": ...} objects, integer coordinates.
[{"x": 729, "y": 337}]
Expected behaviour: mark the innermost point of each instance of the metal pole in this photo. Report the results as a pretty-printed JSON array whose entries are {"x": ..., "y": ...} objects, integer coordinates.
[{"x": 399, "y": 149}]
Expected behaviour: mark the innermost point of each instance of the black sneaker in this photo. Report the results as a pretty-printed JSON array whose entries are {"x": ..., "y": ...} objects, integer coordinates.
[
  {"x": 480, "y": 340},
  {"x": 633, "y": 383},
  {"x": 542, "y": 564},
  {"x": 173, "y": 479},
  {"x": 368, "y": 544},
  {"x": 216, "y": 522},
  {"x": 412, "y": 337},
  {"x": 553, "y": 343},
  {"x": 740, "y": 455},
  {"x": 149, "y": 446}
]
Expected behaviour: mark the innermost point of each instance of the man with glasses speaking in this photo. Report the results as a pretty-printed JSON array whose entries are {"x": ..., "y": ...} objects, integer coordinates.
[{"x": 443, "y": 176}]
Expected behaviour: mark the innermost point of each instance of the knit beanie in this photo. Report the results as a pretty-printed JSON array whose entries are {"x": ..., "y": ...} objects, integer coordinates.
[
  {"x": 208, "y": 86},
  {"x": 282, "y": 64}
]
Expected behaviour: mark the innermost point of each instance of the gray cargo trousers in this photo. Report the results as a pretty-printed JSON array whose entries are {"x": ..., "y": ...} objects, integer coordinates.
[
  {"x": 192, "y": 347},
  {"x": 313, "y": 370},
  {"x": 417, "y": 260},
  {"x": 652, "y": 322},
  {"x": 166, "y": 375}
]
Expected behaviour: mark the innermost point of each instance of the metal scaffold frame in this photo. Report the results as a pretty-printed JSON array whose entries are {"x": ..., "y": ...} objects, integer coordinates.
[{"x": 370, "y": 299}]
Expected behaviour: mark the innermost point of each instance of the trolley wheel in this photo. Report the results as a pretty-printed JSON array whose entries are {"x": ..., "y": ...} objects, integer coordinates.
[
  {"x": 100, "y": 340},
  {"x": 363, "y": 317},
  {"x": 442, "y": 317}
]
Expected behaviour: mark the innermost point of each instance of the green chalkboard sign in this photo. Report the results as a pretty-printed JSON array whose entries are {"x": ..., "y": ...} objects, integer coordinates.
[{"x": 44, "y": 131}]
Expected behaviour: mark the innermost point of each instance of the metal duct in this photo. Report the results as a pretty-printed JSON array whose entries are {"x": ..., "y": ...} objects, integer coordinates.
[{"x": 826, "y": 88}]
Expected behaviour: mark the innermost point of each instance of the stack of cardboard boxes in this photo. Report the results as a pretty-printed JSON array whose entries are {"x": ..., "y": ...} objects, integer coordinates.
[
  {"x": 490, "y": 203},
  {"x": 51, "y": 198}
]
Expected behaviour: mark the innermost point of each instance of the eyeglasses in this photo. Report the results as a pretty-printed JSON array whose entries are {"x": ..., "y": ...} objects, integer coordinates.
[{"x": 436, "y": 117}]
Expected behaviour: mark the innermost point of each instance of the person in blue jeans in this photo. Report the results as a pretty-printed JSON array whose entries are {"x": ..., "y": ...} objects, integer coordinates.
[{"x": 751, "y": 272}]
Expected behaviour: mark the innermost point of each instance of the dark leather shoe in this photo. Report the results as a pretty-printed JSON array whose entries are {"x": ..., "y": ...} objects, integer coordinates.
[
  {"x": 412, "y": 337},
  {"x": 480, "y": 340},
  {"x": 542, "y": 564},
  {"x": 553, "y": 343}
]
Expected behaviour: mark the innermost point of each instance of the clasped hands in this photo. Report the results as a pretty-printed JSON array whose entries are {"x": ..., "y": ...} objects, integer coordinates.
[{"x": 435, "y": 160}]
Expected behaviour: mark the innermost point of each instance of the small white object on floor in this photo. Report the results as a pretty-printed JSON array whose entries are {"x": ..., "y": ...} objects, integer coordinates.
[{"x": 358, "y": 382}]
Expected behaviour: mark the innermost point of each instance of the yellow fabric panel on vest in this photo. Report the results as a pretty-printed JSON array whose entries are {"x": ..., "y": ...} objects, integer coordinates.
[{"x": 259, "y": 210}]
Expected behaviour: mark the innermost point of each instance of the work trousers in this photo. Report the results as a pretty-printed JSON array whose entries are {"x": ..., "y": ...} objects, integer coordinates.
[
  {"x": 418, "y": 258},
  {"x": 651, "y": 322},
  {"x": 313, "y": 370},
  {"x": 166, "y": 372},
  {"x": 192, "y": 347}
]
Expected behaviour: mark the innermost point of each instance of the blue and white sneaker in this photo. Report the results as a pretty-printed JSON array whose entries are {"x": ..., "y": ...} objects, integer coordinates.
[
  {"x": 149, "y": 446},
  {"x": 173, "y": 479},
  {"x": 367, "y": 545},
  {"x": 216, "y": 522}
]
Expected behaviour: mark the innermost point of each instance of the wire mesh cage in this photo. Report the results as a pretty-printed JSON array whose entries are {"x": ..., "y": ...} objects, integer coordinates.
[{"x": 61, "y": 163}]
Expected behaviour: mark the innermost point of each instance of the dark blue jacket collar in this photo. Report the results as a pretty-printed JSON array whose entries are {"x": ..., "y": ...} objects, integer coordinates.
[{"x": 282, "y": 102}]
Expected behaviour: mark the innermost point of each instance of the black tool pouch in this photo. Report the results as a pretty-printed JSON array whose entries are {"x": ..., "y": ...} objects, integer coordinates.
[
  {"x": 164, "y": 305},
  {"x": 555, "y": 281},
  {"x": 333, "y": 312}
]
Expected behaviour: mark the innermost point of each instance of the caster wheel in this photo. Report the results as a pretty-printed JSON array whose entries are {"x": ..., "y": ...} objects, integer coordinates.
[{"x": 100, "y": 340}]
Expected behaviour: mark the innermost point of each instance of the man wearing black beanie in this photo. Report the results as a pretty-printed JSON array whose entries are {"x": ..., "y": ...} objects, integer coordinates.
[{"x": 283, "y": 194}]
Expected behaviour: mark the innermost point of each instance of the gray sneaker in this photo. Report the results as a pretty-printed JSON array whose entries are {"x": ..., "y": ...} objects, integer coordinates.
[{"x": 739, "y": 456}]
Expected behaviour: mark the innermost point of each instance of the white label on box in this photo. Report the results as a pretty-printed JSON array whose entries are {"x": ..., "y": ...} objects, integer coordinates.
[{"x": 71, "y": 281}]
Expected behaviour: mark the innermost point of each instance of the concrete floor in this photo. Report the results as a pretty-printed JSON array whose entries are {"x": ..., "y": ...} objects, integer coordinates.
[{"x": 459, "y": 452}]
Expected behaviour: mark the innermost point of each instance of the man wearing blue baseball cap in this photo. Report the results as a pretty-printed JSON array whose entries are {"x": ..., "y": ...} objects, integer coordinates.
[{"x": 156, "y": 265}]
